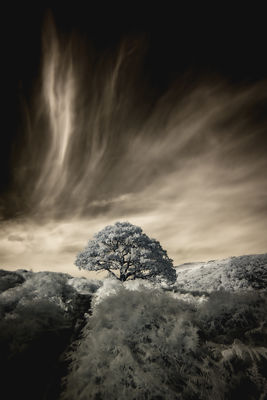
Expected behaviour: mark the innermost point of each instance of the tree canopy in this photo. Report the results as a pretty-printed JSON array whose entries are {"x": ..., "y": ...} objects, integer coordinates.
[{"x": 126, "y": 252}]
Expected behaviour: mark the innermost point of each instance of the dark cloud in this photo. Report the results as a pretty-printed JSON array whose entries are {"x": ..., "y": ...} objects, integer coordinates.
[
  {"x": 15, "y": 238},
  {"x": 73, "y": 249}
]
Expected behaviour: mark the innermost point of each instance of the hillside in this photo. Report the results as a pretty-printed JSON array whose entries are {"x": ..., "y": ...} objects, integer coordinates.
[
  {"x": 235, "y": 273},
  {"x": 203, "y": 338}
]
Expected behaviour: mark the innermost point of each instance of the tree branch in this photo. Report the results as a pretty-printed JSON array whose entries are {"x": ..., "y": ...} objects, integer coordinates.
[{"x": 112, "y": 273}]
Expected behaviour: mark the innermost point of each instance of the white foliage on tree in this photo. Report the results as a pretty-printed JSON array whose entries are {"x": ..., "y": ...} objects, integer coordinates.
[{"x": 126, "y": 252}]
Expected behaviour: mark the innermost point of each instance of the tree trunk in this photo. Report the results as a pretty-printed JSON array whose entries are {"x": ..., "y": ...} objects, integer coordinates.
[{"x": 123, "y": 277}]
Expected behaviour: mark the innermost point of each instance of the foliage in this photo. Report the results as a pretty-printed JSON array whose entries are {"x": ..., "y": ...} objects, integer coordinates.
[
  {"x": 147, "y": 344},
  {"x": 139, "y": 340},
  {"x": 247, "y": 272},
  {"x": 40, "y": 315},
  {"x": 124, "y": 248}
]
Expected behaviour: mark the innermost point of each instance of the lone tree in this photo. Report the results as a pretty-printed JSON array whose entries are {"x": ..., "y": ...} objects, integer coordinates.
[{"x": 126, "y": 253}]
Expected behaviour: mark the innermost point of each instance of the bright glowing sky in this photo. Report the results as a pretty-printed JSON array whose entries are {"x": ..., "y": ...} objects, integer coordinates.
[{"x": 189, "y": 167}]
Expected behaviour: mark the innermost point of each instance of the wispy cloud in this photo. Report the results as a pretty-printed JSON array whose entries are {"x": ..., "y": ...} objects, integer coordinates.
[{"x": 189, "y": 168}]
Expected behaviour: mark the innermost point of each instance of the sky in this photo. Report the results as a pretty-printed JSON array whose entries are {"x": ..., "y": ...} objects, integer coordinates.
[{"x": 148, "y": 116}]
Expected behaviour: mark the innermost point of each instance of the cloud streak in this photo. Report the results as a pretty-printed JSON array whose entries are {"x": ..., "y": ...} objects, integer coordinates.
[{"x": 189, "y": 166}]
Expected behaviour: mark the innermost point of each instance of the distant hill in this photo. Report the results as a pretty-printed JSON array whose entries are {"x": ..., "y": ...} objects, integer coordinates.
[{"x": 235, "y": 273}]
